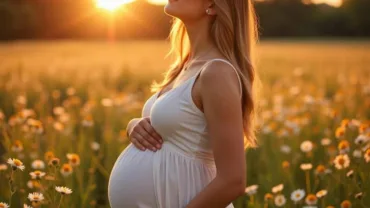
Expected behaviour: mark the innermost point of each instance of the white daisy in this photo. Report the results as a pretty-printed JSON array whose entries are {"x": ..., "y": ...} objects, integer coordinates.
[
  {"x": 35, "y": 126},
  {"x": 277, "y": 188},
  {"x": 361, "y": 139},
  {"x": 341, "y": 161},
  {"x": 321, "y": 193},
  {"x": 358, "y": 195},
  {"x": 306, "y": 166},
  {"x": 37, "y": 174},
  {"x": 4, "y": 205},
  {"x": 58, "y": 110},
  {"x": 16, "y": 164},
  {"x": 325, "y": 141},
  {"x": 328, "y": 171},
  {"x": 35, "y": 197},
  {"x": 63, "y": 190},
  {"x": 17, "y": 146},
  {"x": 38, "y": 164},
  {"x": 95, "y": 146},
  {"x": 306, "y": 146},
  {"x": 297, "y": 195},
  {"x": 353, "y": 123},
  {"x": 30, "y": 184},
  {"x": 87, "y": 121},
  {"x": 251, "y": 190},
  {"x": 279, "y": 200},
  {"x": 357, "y": 153},
  {"x": 285, "y": 149},
  {"x": 349, "y": 174}
]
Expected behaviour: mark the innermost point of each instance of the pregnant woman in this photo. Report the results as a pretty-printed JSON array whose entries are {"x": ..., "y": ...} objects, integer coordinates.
[{"x": 188, "y": 148}]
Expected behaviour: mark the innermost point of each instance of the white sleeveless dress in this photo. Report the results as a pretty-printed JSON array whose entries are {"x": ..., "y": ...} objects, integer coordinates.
[{"x": 173, "y": 175}]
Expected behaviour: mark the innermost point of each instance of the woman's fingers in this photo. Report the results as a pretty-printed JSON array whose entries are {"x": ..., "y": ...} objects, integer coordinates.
[
  {"x": 142, "y": 141},
  {"x": 138, "y": 144},
  {"x": 144, "y": 136},
  {"x": 155, "y": 138},
  {"x": 152, "y": 131},
  {"x": 146, "y": 139}
]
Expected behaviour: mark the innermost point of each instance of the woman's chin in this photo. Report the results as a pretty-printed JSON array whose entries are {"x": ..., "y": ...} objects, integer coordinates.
[{"x": 170, "y": 10}]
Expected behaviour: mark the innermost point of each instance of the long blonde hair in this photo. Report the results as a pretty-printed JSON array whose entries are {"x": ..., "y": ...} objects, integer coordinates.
[{"x": 235, "y": 32}]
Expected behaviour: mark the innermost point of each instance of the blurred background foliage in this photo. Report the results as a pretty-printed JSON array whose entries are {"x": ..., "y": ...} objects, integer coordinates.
[{"x": 40, "y": 19}]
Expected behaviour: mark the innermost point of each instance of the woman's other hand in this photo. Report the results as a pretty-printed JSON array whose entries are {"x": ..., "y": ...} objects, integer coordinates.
[{"x": 144, "y": 136}]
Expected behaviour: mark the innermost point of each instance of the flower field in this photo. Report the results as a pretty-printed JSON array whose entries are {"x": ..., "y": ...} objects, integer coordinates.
[{"x": 64, "y": 107}]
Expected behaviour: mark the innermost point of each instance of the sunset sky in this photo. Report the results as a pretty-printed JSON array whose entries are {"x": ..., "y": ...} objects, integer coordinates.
[{"x": 113, "y": 4}]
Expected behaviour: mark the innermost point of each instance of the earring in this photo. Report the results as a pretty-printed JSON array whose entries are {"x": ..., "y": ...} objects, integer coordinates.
[{"x": 208, "y": 11}]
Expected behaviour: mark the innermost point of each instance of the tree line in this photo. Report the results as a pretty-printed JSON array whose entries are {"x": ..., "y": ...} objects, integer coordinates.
[{"x": 55, "y": 19}]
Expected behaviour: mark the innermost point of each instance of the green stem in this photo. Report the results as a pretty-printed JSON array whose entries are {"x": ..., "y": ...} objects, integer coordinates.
[
  {"x": 54, "y": 184},
  {"x": 11, "y": 186},
  {"x": 60, "y": 201},
  {"x": 308, "y": 182},
  {"x": 322, "y": 202},
  {"x": 79, "y": 180}
]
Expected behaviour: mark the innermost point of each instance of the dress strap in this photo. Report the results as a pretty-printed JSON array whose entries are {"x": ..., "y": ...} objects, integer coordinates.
[{"x": 225, "y": 61}]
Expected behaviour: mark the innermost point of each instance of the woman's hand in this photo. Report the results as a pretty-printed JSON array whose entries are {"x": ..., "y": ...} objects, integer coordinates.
[{"x": 144, "y": 136}]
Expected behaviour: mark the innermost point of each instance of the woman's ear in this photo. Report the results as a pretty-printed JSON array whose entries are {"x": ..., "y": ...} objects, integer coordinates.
[{"x": 210, "y": 10}]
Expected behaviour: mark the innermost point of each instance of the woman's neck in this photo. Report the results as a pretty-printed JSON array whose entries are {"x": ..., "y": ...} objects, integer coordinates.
[{"x": 200, "y": 40}]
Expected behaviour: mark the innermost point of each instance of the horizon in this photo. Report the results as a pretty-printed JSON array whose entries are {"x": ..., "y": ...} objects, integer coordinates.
[{"x": 334, "y": 3}]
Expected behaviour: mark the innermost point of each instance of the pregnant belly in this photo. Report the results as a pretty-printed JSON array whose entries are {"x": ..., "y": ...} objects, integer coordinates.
[
  {"x": 168, "y": 178},
  {"x": 131, "y": 180}
]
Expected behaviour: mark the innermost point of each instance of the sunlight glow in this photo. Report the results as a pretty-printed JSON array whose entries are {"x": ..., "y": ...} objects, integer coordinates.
[
  {"x": 111, "y": 5},
  {"x": 334, "y": 3},
  {"x": 158, "y": 2}
]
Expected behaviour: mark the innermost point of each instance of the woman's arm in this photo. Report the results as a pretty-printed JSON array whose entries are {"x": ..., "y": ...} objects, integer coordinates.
[
  {"x": 223, "y": 112},
  {"x": 130, "y": 125}
]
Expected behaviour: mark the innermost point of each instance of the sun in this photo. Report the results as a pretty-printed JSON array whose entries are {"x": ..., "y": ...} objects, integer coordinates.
[
  {"x": 111, "y": 5},
  {"x": 158, "y": 2}
]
